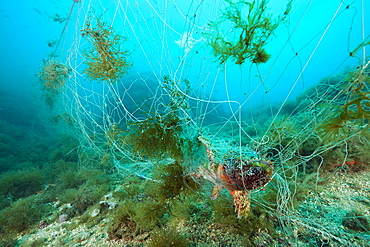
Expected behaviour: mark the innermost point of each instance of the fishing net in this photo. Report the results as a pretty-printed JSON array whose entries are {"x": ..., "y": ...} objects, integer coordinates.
[{"x": 226, "y": 89}]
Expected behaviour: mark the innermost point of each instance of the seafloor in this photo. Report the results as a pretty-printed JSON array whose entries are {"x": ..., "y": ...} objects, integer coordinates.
[{"x": 55, "y": 193}]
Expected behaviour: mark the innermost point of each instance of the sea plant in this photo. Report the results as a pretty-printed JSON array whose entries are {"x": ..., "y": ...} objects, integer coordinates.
[
  {"x": 21, "y": 183},
  {"x": 251, "y": 29},
  {"x": 178, "y": 99},
  {"x": 104, "y": 59},
  {"x": 352, "y": 106},
  {"x": 167, "y": 238},
  {"x": 163, "y": 133},
  {"x": 156, "y": 204},
  {"x": 53, "y": 75},
  {"x": 356, "y": 221},
  {"x": 21, "y": 215},
  {"x": 157, "y": 137},
  {"x": 114, "y": 134},
  {"x": 172, "y": 180}
]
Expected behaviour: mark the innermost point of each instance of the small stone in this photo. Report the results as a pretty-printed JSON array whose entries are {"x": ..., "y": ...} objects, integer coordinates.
[
  {"x": 95, "y": 212},
  {"x": 62, "y": 218}
]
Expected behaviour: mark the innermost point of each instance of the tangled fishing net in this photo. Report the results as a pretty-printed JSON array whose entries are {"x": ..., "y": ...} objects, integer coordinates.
[{"x": 264, "y": 99}]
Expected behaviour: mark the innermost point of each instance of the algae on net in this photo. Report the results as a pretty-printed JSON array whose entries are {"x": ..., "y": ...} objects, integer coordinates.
[
  {"x": 53, "y": 75},
  {"x": 250, "y": 31},
  {"x": 104, "y": 60},
  {"x": 158, "y": 137},
  {"x": 352, "y": 107}
]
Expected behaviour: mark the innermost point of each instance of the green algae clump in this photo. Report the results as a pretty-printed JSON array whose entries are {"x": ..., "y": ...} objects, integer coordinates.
[
  {"x": 242, "y": 36},
  {"x": 157, "y": 137},
  {"x": 21, "y": 215},
  {"x": 173, "y": 181},
  {"x": 167, "y": 238},
  {"x": 163, "y": 134},
  {"x": 352, "y": 107},
  {"x": 104, "y": 59},
  {"x": 53, "y": 75}
]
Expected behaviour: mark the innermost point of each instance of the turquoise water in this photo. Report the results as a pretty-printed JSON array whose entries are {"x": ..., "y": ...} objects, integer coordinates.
[{"x": 160, "y": 157}]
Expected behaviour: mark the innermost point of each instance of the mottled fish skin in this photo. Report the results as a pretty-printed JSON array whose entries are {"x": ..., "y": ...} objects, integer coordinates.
[{"x": 215, "y": 192}]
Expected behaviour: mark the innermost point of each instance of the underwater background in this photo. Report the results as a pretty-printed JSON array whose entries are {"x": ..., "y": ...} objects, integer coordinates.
[{"x": 184, "y": 123}]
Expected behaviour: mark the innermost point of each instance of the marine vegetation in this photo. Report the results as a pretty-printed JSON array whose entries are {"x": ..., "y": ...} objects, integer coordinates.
[
  {"x": 178, "y": 99},
  {"x": 57, "y": 18},
  {"x": 356, "y": 221},
  {"x": 364, "y": 43},
  {"x": 162, "y": 134},
  {"x": 352, "y": 111},
  {"x": 114, "y": 134},
  {"x": 248, "y": 34},
  {"x": 167, "y": 238},
  {"x": 21, "y": 183},
  {"x": 150, "y": 206},
  {"x": 104, "y": 59},
  {"x": 53, "y": 75},
  {"x": 157, "y": 137},
  {"x": 21, "y": 215},
  {"x": 172, "y": 181}
]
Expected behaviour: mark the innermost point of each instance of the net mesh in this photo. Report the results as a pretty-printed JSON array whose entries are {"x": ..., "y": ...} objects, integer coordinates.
[{"x": 171, "y": 83}]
